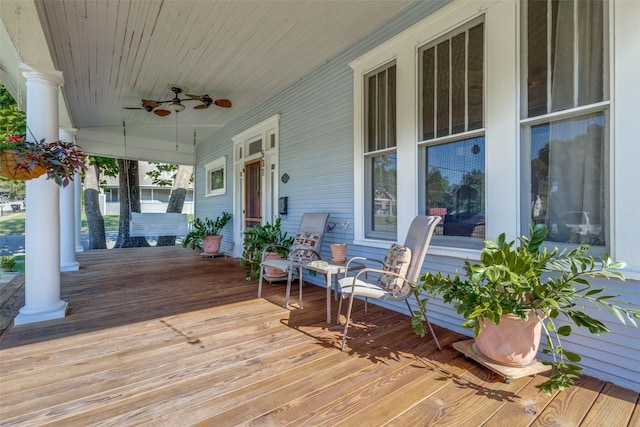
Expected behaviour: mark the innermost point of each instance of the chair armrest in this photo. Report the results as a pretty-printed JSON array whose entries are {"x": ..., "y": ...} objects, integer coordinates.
[{"x": 355, "y": 258}]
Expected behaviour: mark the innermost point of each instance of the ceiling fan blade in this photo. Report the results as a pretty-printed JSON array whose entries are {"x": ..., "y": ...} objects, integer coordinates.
[
  {"x": 196, "y": 97},
  {"x": 149, "y": 103},
  {"x": 201, "y": 107},
  {"x": 161, "y": 112},
  {"x": 133, "y": 108},
  {"x": 224, "y": 103}
]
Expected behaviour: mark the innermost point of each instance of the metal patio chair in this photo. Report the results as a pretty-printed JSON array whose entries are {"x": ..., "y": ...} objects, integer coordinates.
[
  {"x": 306, "y": 247},
  {"x": 400, "y": 270}
]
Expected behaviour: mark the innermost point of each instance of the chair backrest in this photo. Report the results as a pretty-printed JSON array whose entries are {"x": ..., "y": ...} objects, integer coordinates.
[
  {"x": 418, "y": 239},
  {"x": 314, "y": 223}
]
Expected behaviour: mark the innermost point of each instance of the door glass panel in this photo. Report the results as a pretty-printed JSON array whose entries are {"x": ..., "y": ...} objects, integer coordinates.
[{"x": 253, "y": 193}]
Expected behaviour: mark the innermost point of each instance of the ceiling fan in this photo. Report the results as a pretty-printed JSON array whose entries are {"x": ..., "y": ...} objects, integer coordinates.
[{"x": 175, "y": 104}]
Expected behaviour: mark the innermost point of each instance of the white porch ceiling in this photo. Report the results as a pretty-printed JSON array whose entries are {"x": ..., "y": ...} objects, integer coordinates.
[{"x": 115, "y": 53}]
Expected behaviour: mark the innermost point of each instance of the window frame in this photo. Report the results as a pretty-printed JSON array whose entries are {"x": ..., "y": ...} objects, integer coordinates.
[
  {"x": 384, "y": 145},
  {"x": 219, "y": 164},
  {"x": 450, "y": 241}
]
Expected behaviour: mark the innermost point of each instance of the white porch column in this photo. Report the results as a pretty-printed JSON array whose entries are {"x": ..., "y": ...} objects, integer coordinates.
[
  {"x": 42, "y": 225},
  {"x": 77, "y": 201},
  {"x": 68, "y": 217}
]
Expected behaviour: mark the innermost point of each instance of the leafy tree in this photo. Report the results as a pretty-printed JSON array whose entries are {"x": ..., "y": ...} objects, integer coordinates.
[
  {"x": 474, "y": 202},
  {"x": 13, "y": 121},
  {"x": 438, "y": 190}
]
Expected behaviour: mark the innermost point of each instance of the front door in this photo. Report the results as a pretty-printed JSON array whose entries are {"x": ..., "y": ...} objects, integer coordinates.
[{"x": 253, "y": 193}]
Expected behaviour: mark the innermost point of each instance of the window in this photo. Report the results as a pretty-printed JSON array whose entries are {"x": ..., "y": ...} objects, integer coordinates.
[
  {"x": 380, "y": 154},
  {"x": 565, "y": 125},
  {"x": 216, "y": 177},
  {"x": 453, "y": 143}
]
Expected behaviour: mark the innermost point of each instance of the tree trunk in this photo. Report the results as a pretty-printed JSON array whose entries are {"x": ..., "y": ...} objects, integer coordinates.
[
  {"x": 129, "y": 202},
  {"x": 95, "y": 221},
  {"x": 176, "y": 201}
]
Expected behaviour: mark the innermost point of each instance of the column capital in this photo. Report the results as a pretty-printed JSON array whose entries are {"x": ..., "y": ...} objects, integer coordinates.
[
  {"x": 67, "y": 134},
  {"x": 51, "y": 76}
]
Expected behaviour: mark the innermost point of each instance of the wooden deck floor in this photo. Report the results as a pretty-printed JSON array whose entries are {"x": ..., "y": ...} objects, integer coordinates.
[{"x": 159, "y": 336}]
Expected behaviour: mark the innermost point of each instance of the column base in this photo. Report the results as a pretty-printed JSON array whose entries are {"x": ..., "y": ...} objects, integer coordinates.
[
  {"x": 26, "y": 315},
  {"x": 72, "y": 266}
]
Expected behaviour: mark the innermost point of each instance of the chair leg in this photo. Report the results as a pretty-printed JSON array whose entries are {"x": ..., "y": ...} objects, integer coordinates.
[
  {"x": 339, "y": 310},
  {"x": 260, "y": 283},
  {"x": 424, "y": 315},
  {"x": 346, "y": 323},
  {"x": 286, "y": 298},
  {"x": 300, "y": 286}
]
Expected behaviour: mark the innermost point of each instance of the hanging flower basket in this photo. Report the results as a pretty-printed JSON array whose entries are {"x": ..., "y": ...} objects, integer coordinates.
[
  {"x": 9, "y": 160},
  {"x": 22, "y": 160}
]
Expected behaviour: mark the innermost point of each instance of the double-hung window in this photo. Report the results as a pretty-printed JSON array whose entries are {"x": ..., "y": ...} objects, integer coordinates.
[
  {"x": 380, "y": 160},
  {"x": 565, "y": 120},
  {"x": 451, "y": 134}
]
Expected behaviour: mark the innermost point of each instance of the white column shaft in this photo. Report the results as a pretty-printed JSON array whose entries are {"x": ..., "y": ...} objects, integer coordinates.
[
  {"x": 67, "y": 218},
  {"x": 42, "y": 225}
]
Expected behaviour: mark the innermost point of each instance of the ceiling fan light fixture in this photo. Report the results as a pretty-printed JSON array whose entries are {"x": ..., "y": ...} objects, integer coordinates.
[{"x": 176, "y": 107}]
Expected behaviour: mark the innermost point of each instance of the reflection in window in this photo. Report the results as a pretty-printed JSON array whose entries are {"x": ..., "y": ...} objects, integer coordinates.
[
  {"x": 455, "y": 187},
  {"x": 384, "y": 206},
  {"x": 567, "y": 179}
]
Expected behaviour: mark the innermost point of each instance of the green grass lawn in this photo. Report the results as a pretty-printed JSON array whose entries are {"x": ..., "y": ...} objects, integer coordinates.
[
  {"x": 110, "y": 222},
  {"x": 13, "y": 223}
]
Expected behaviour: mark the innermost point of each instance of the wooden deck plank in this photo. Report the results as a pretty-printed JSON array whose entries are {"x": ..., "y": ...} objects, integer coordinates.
[
  {"x": 327, "y": 398},
  {"x": 160, "y": 336},
  {"x": 307, "y": 385},
  {"x": 614, "y": 406},
  {"x": 463, "y": 410},
  {"x": 572, "y": 405},
  {"x": 525, "y": 406}
]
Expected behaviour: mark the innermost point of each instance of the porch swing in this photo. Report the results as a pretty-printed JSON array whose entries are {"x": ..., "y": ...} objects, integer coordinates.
[{"x": 155, "y": 223}]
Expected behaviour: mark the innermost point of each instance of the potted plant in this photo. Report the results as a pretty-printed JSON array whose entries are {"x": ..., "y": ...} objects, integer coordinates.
[
  {"x": 259, "y": 237},
  {"x": 8, "y": 268},
  {"x": 23, "y": 160},
  {"x": 339, "y": 250},
  {"x": 206, "y": 234},
  {"x": 528, "y": 283}
]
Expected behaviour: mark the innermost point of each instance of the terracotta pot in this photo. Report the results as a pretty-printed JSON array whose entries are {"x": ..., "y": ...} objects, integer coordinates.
[
  {"x": 8, "y": 162},
  {"x": 338, "y": 253},
  {"x": 211, "y": 244},
  {"x": 513, "y": 342},
  {"x": 270, "y": 271}
]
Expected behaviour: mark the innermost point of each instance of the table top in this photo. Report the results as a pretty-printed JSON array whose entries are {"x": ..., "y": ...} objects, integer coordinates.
[{"x": 333, "y": 268}]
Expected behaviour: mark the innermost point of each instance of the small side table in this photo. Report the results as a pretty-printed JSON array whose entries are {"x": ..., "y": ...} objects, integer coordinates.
[{"x": 328, "y": 271}]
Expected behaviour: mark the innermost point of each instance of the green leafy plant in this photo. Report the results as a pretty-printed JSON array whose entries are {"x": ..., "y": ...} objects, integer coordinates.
[
  {"x": 529, "y": 279},
  {"x": 8, "y": 263},
  {"x": 202, "y": 228},
  {"x": 256, "y": 239}
]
